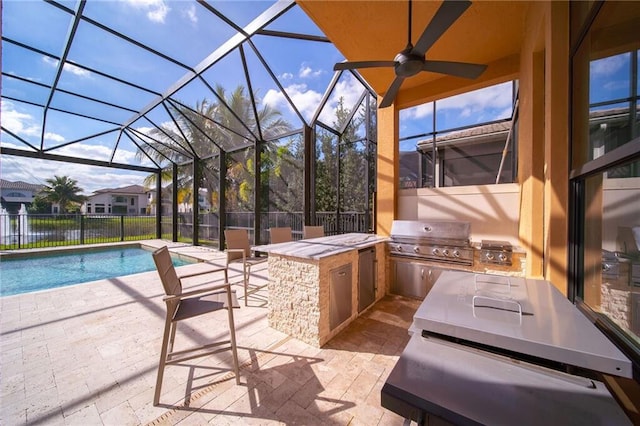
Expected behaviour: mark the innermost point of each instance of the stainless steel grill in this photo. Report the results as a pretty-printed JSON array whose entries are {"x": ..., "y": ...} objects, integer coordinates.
[
  {"x": 496, "y": 252},
  {"x": 439, "y": 241}
]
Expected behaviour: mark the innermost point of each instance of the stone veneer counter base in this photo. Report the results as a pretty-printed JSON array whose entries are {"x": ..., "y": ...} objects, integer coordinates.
[{"x": 300, "y": 282}]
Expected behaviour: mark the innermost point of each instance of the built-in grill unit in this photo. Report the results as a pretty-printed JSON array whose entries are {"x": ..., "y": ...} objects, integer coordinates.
[
  {"x": 496, "y": 252},
  {"x": 494, "y": 349},
  {"x": 438, "y": 241}
]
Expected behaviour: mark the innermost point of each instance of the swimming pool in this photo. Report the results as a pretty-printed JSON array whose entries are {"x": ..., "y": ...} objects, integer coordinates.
[{"x": 40, "y": 272}]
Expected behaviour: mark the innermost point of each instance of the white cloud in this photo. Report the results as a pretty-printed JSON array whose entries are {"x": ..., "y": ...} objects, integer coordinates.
[
  {"x": 608, "y": 66},
  {"x": 76, "y": 70},
  {"x": 286, "y": 76},
  {"x": 50, "y": 61},
  {"x": 24, "y": 125},
  {"x": 19, "y": 123},
  {"x": 54, "y": 137},
  {"x": 347, "y": 88},
  {"x": 156, "y": 10},
  {"x": 90, "y": 178},
  {"x": 498, "y": 96},
  {"x": 307, "y": 72},
  {"x": 190, "y": 14},
  {"x": 305, "y": 99},
  {"x": 417, "y": 112},
  {"x": 67, "y": 67}
]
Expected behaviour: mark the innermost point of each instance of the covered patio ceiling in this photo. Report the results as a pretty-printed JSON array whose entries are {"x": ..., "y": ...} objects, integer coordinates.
[
  {"x": 488, "y": 32},
  {"x": 97, "y": 82}
]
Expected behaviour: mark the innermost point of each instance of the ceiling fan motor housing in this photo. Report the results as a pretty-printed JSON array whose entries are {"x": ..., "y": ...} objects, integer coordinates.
[{"x": 408, "y": 64}]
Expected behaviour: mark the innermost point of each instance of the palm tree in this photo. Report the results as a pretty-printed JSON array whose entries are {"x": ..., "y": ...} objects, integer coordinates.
[
  {"x": 63, "y": 191},
  {"x": 208, "y": 128}
]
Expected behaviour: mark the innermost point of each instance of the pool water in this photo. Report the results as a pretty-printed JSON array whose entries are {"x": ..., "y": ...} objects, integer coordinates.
[{"x": 23, "y": 275}]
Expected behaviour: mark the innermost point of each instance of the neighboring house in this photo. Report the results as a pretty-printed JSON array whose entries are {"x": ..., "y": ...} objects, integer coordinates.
[
  {"x": 471, "y": 156},
  {"x": 129, "y": 200},
  {"x": 14, "y": 194},
  {"x": 167, "y": 201}
]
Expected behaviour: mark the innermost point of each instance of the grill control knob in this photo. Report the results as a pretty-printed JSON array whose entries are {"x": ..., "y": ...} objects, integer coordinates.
[
  {"x": 399, "y": 247},
  {"x": 502, "y": 257},
  {"x": 446, "y": 252},
  {"x": 490, "y": 256},
  {"x": 436, "y": 252},
  {"x": 416, "y": 249},
  {"x": 456, "y": 253}
]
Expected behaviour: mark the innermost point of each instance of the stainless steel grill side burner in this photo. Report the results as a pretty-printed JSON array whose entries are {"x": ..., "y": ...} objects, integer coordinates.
[
  {"x": 440, "y": 241},
  {"x": 496, "y": 252}
]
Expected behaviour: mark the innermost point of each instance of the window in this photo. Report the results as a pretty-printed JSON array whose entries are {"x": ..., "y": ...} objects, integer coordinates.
[
  {"x": 100, "y": 208},
  {"x": 605, "y": 259},
  {"x": 461, "y": 140},
  {"x": 133, "y": 201},
  {"x": 119, "y": 199}
]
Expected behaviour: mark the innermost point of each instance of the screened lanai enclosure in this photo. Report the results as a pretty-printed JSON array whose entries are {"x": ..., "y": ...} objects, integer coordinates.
[{"x": 228, "y": 111}]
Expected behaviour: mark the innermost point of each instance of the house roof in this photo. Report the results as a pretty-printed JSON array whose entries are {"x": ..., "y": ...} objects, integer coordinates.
[
  {"x": 131, "y": 189},
  {"x": 478, "y": 133},
  {"x": 24, "y": 186}
]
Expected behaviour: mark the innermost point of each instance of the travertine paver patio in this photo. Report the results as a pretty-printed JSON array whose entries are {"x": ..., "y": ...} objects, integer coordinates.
[{"x": 87, "y": 354}]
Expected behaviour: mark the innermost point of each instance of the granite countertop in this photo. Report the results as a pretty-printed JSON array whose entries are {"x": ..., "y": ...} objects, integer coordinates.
[{"x": 317, "y": 248}]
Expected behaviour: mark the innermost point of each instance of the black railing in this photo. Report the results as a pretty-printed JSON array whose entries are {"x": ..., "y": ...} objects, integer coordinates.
[{"x": 41, "y": 231}]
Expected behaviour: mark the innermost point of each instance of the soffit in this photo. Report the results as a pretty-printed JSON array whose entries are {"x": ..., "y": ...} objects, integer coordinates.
[{"x": 487, "y": 33}]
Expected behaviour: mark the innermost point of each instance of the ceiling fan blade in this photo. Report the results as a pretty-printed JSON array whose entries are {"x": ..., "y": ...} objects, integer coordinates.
[
  {"x": 458, "y": 69},
  {"x": 447, "y": 14},
  {"x": 391, "y": 92},
  {"x": 362, "y": 64}
]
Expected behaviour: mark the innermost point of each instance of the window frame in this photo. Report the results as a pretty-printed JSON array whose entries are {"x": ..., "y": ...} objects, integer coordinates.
[{"x": 624, "y": 154}]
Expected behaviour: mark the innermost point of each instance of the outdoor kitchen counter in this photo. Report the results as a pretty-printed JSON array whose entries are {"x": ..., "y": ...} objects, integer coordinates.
[
  {"x": 318, "y": 286},
  {"x": 318, "y": 248}
]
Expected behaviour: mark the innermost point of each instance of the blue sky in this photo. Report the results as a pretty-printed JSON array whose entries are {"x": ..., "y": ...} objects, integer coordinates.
[{"x": 186, "y": 31}]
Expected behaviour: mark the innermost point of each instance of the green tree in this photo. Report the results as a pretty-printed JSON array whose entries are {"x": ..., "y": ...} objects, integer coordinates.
[
  {"x": 205, "y": 129},
  {"x": 343, "y": 161},
  {"x": 283, "y": 174},
  {"x": 39, "y": 206},
  {"x": 64, "y": 191}
]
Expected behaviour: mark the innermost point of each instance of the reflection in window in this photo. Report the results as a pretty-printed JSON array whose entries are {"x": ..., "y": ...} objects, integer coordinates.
[
  {"x": 613, "y": 117},
  {"x": 612, "y": 248},
  {"x": 610, "y": 78},
  {"x": 605, "y": 129}
]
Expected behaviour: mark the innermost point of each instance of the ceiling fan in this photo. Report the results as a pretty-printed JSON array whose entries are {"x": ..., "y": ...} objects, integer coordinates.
[{"x": 411, "y": 60}]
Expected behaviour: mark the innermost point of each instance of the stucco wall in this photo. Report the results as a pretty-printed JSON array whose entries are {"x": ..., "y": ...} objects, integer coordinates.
[{"x": 492, "y": 210}]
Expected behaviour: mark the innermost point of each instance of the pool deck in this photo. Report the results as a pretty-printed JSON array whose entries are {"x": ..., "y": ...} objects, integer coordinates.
[{"x": 87, "y": 354}]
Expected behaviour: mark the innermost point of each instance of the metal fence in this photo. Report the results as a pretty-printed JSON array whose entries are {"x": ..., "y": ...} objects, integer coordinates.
[{"x": 43, "y": 230}]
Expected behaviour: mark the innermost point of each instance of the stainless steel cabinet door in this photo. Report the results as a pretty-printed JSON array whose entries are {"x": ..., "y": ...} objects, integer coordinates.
[
  {"x": 366, "y": 278},
  {"x": 340, "y": 295},
  {"x": 413, "y": 279}
]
